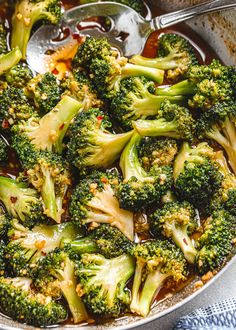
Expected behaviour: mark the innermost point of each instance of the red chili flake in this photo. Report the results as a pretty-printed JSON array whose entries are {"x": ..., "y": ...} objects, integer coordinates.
[
  {"x": 100, "y": 118},
  {"x": 13, "y": 199},
  {"x": 55, "y": 71},
  {"x": 104, "y": 180},
  {"x": 185, "y": 242},
  {"x": 5, "y": 124},
  {"x": 62, "y": 126}
]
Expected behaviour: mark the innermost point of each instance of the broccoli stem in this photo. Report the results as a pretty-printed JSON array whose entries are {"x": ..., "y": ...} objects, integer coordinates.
[
  {"x": 131, "y": 70},
  {"x": 183, "y": 241},
  {"x": 166, "y": 63},
  {"x": 7, "y": 61},
  {"x": 68, "y": 288},
  {"x": 184, "y": 87},
  {"x": 84, "y": 245},
  {"x": 158, "y": 127},
  {"x": 49, "y": 197}
]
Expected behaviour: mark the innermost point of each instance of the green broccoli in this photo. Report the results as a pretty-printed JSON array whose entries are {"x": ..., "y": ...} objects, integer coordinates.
[
  {"x": 20, "y": 302},
  {"x": 172, "y": 121},
  {"x": 91, "y": 143},
  {"x": 5, "y": 221},
  {"x": 19, "y": 75},
  {"x": 196, "y": 174},
  {"x": 45, "y": 91},
  {"x": 216, "y": 241},
  {"x": 47, "y": 172},
  {"x": 175, "y": 54},
  {"x": 93, "y": 201},
  {"x": 29, "y": 12},
  {"x": 102, "y": 283},
  {"x": 55, "y": 275},
  {"x": 177, "y": 220},
  {"x": 3, "y": 263},
  {"x": 157, "y": 151},
  {"x": 26, "y": 247},
  {"x": 218, "y": 124},
  {"x": 21, "y": 201},
  {"x": 206, "y": 84},
  {"x": 3, "y": 150},
  {"x": 136, "y": 100},
  {"x": 135, "y": 4},
  {"x": 47, "y": 132},
  {"x": 106, "y": 68},
  {"x": 156, "y": 261},
  {"x": 139, "y": 188},
  {"x": 3, "y": 39},
  {"x": 105, "y": 239}
]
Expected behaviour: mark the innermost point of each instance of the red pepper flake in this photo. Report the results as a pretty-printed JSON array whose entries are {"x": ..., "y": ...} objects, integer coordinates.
[
  {"x": 185, "y": 242},
  {"x": 62, "y": 126},
  {"x": 13, "y": 199},
  {"x": 100, "y": 118},
  {"x": 55, "y": 71},
  {"x": 5, "y": 124},
  {"x": 104, "y": 180}
]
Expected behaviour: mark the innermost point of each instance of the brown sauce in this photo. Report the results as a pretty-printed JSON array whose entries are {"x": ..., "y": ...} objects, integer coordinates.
[{"x": 205, "y": 55}]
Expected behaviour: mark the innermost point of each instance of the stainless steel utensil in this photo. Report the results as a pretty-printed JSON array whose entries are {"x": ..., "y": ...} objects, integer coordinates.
[{"x": 128, "y": 30}]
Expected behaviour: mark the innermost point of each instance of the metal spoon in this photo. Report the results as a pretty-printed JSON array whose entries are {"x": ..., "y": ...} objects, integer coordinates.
[{"x": 128, "y": 30}]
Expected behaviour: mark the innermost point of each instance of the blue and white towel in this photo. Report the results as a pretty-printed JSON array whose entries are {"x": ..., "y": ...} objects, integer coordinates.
[{"x": 220, "y": 316}]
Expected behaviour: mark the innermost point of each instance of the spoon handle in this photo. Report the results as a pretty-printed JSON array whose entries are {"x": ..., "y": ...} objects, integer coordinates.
[{"x": 175, "y": 17}]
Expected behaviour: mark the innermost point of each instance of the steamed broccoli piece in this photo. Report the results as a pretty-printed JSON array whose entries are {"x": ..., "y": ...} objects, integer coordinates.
[
  {"x": 103, "y": 283},
  {"x": 20, "y": 302},
  {"x": 136, "y": 100},
  {"x": 106, "y": 68},
  {"x": 206, "y": 84},
  {"x": 79, "y": 86},
  {"x": 14, "y": 106},
  {"x": 105, "y": 239},
  {"x": 3, "y": 39},
  {"x": 135, "y": 4},
  {"x": 218, "y": 124},
  {"x": 173, "y": 121},
  {"x": 177, "y": 220},
  {"x": 93, "y": 201},
  {"x": 3, "y": 151},
  {"x": 21, "y": 201},
  {"x": 175, "y": 55},
  {"x": 91, "y": 143},
  {"x": 47, "y": 172},
  {"x": 29, "y": 12},
  {"x": 26, "y": 247},
  {"x": 19, "y": 75},
  {"x": 47, "y": 132},
  {"x": 3, "y": 264},
  {"x": 5, "y": 221},
  {"x": 139, "y": 188},
  {"x": 225, "y": 196},
  {"x": 45, "y": 91},
  {"x": 157, "y": 152},
  {"x": 156, "y": 261},
  {"x": 55, "y": 276},
  {"x": 216, "y": 241},
  {"x": 196, "y": 174}
]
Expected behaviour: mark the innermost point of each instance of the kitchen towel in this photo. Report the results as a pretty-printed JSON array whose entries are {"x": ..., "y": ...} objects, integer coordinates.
[{"x": 220, "y": 316}]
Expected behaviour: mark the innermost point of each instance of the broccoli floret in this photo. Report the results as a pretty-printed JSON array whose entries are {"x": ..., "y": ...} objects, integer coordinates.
[
  {"x": 105, "y": 239},
  {"x": 218, "y": 124},
  {"x": 225, "y": 197},
  {"x": 3, "y": 150},
  {"x": 156, "y": 261},
  {"x": 216, "y": 241},
  {"x": 136, "y": 100},
  {"x": 172, "y": 121},
  {"x": 21, "y": 201},
  {"x": 20, "y": 302},
  {"x": 196, "y": 175},
  {"x": 3, "y": 39},
  {"x": 135, "y": 4},
  {"x": 26, "y": 247},
  {"x": 55, "y": 275},
  {"x": 29, "y": 12},
  {"x": 3, "y": 262},
  {"x": 177, "y": 220},
  {"x": 106, "y": 68},
  {"x": 45, "y": 91},
  {"x": 175, "y": 54},
  {"x": 139, "y": 188},
  {"x": 206, "y": 84},
  {"x": 91, "y": 143},
  {"x": 47, "y": 172},
  {"x": 47, "y": 132},
  {"x": 14, "y": 106},
  {"x": 5, "y": 221},
  {"x": 19, "y": 75},
  {"x": 78, "y": 86},
  {"x": 93, "y": 201},
  {"x": 157, "y": 151},
  {"x": 102, "y": 283}
]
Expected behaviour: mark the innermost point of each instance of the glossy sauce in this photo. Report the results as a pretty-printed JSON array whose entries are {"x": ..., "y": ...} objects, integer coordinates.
[{"x": 205, "y": 55}]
